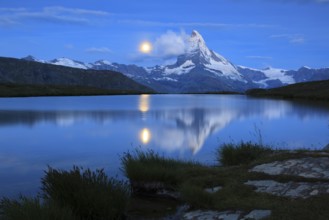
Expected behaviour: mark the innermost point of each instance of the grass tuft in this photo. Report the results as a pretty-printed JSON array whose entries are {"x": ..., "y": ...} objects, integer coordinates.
[
  {"x": 149, "y": 166},
  {"x": 89, "y": 194},
  {"x": 241, "y": 154}
]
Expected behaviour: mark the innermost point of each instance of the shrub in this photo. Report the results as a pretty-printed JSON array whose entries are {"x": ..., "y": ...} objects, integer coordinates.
[
  {"x": 242, "y": 153},
  {"x": 32, "y": 209},
  {"x": 89, "y": 194},
  {"x": 150, "y": 166}
]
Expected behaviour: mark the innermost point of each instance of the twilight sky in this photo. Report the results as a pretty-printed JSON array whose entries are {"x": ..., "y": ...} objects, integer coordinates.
[{"x": 256, "y": 33}]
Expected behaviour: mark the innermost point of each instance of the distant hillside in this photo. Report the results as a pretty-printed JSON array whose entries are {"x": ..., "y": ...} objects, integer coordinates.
[
  {"x": 16, "y": 72},
  {"x": 18, "y": 90},
  {"x": 307, "y": 90}
]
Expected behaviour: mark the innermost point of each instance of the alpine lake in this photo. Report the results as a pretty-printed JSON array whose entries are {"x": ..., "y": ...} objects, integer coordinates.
[{"x": 95, "y": 131}]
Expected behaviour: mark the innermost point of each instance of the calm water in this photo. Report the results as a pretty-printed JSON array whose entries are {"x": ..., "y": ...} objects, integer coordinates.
[{"x": 95, "y": 131}]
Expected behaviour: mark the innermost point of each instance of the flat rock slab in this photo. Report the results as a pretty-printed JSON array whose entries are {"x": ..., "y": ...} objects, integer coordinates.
[
  {"x": 226, "y": 215},
  {"x": 290, "y": 189},
  {"x": 309, "y": 167},
  {"x": 211, "y": 215},
  {"x": 213, "y": 189},
  {"x": 257, "y": 214}
]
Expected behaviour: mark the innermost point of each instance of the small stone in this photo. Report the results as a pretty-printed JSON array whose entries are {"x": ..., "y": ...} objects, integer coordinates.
[
  {"x": 213, "y": 215},
  {"x": 257, "y": 214},
  {"x": 213, "y": 189},
  {"x": 168, "y": 194},
  {"x": 314, "y": 192}
]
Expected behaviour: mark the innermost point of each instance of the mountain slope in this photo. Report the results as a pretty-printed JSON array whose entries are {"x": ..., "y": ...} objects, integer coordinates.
[
  {"x": 308, "y": 90},
  {"x": 15, "y": 71}
]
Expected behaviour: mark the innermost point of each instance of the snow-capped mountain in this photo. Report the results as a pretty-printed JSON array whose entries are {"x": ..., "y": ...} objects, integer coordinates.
[
  {"x": 268, "y": 77},
  {"x": 61, "y": 62},
  {"x": 200, "y": 69},
  {"x": 70, "y": 63},
  {"x": 198, "y": 54}
]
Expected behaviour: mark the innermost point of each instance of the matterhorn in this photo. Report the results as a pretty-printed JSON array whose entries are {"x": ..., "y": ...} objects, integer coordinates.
[{"x": 199, "y": 69}]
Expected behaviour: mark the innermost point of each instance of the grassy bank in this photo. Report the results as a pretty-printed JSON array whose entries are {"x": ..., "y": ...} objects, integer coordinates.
[
  {"x": 159, "y": 184},
  {"x": 190, "y": 180},
  {"x": 318, "y": 90}
]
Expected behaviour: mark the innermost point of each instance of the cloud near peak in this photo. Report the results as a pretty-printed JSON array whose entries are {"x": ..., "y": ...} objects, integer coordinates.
[{"x": 170, "y": 44}]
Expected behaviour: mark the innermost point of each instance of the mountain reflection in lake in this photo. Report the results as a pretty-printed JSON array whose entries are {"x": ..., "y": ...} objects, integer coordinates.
[{"x": 94, "y": 131}]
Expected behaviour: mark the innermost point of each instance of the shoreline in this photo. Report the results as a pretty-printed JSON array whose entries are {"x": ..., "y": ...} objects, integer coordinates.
[{"x": 253, "y": 182}]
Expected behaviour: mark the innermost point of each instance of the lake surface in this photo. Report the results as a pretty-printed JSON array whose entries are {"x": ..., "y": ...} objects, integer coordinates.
[{"x": 94, "y": 131}]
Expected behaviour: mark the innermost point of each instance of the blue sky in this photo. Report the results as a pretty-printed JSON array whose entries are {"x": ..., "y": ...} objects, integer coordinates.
[{"x": 256, "y": 33}]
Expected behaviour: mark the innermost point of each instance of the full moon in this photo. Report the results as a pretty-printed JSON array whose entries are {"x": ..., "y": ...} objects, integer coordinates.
[{"x": 145, "y": 47}]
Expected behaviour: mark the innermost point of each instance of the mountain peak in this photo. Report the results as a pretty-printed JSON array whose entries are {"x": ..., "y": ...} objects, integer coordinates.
[
  {"x": 103, "y": 62},
  {"x": 199, "y": 55},
  {"x": 32, "y": 58},
  {"x": 198, "y": 50},
  {"x": 305, "y": 67},
  {"x": 196, "y": 34},
  {"x": 197, "y": 43},
  {"x": 29, "y": 58}
]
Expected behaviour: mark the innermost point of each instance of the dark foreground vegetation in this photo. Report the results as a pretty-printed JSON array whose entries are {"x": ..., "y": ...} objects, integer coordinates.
[
  {"x": 74, "y": 194},
  {"x": 156, "y": 183},
  {"x": 317, "y": 90}
]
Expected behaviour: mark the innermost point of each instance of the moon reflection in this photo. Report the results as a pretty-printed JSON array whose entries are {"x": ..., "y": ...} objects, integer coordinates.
[
  {"x": 145, "y": 136},
  {"x": 144, "y": 103}
]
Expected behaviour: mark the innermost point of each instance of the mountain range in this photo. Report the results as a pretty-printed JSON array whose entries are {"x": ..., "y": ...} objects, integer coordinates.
[{"x": 200, "y": 69}]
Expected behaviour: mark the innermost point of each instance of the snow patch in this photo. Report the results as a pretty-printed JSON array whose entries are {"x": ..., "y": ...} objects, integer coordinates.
[
  {"x": 69, "y": 63},
  {"x": 248, "y": 68},
  {"x": 224, "y": 69},
  {"x": 165, "y": 79},
  {"x": 103, "y": 62},
  {"x": 148, "y": 69},
  {"x": 186, "y": 67},
  {"x": 187, "y": 63},
  {"x": 279, "y": 74}
]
